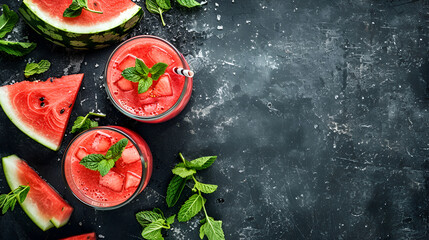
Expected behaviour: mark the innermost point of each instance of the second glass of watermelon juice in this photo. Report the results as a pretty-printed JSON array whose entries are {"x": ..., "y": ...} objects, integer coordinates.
[
  {"x": 123, "y": 182},
  {"x": 166, "y": 98}
]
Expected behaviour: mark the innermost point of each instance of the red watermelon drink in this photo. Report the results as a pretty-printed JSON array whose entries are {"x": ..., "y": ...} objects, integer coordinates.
[
  {"x": 166, "y": 97},
  {"x": 122, "y": 183}
]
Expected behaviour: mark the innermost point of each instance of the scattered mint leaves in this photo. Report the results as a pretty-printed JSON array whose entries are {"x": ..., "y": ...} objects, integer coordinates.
[
  {"x": 75, "y": 9},
  {"x": 189, "y": 3},
  {"x": 153, "y": 7},
  {"x": 36, "y": 68},
  {"x": 7, "y": 21},
  {"x": 212, "y": 229},
  {"x": 191, "y": 207},
  {"x": 205, "y": 188},
  {"x": 8, "y": 201},
  {"x": 17, "y": 48},
  {"x": 103, "y": 163},
  {"x": 153, "y": 222},
  {"x": 175, "y": 188},
  {"x": 140, "y": 73},
  {"x": 84, "y": 123}
]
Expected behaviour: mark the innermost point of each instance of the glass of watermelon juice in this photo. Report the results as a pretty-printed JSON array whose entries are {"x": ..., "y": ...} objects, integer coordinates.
[
  {"x": 123, "y": 182},
  {"x": 166, "y": 98}
]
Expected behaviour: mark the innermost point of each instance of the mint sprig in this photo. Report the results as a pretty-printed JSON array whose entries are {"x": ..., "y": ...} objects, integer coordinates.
[
  {"x": 140, "y": 73},
  {"x": 158, "y": 7},
  {"x": 84, "y": 123},
  {"x": 153, "y": 222},
  {"x": 103, "y": 163},
  {"x": 8, "y": 21},
  {"x": 8, "y": 201},
  {"x": 75, "y": 8},
  {"x": 189, "y": 3},
  {"x": 36, "y": 68}
]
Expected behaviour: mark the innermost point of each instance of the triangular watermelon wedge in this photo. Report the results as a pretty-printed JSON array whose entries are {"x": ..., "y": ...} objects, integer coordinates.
[{"x": 41, "y": 109}]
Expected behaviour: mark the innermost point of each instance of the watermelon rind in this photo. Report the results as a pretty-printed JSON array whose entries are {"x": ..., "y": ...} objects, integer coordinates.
[
  {"x": 7, "y": 106},
  {"x": 10, "y": 169},
  {"x": 80, "y": 37}
]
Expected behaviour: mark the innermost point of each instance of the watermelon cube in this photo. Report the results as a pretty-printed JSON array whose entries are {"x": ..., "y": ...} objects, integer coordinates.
[
  {"x": 132, "y": 180},
  {"x": 163, "y": 86},
  {"x": 157, "y": 55},
  {"x": 124, "y": 84},
  {"x": 112, "y": 181},
  {"x": 102, "y": 142},
  {"x": 81, "y": 153},
  {"x": 130, "y": 155}
]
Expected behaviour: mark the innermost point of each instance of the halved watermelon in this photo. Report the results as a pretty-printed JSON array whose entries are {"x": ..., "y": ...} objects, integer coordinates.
[
  {"x": 87, "y": 236},
  {"x": 41, "y": 109},
  {"x": 87, "y": 31},
  {"x": 43, "y": 204}
]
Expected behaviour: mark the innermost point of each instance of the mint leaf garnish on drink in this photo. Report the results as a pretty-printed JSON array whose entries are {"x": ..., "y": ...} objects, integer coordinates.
[
  {"x": 75, "y": 8},
  {"x": 8, "y": 201},
  {"x": 7, "y": 21},
  {"x": 84, "y": 123},
  {"x": 189, "y": 3},
  {"x": 153, "y": 222},
  {"x": 140, "y": 73},
  {"x": 36, "y": 68},
  {"x": 103, "y": 163}
]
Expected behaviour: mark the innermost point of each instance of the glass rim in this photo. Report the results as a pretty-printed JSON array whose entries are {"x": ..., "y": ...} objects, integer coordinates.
[
  {"x": 135, "y": 116},
  {"x": 142, "y": 179}
]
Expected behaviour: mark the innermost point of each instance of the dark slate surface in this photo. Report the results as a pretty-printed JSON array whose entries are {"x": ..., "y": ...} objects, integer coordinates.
[{"x": 318, "y": 111}]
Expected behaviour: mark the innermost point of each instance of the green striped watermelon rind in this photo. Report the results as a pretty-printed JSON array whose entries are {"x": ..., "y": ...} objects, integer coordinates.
[
  {"x": 80, "y": 41},
  {"x": 10, "y": 164},
  {"x": 10, "y": 112}
]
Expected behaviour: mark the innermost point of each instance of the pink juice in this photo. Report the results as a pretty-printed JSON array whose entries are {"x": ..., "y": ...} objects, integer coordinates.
[
  {"x": 165, "y": 98},
  {"x": 125, "y": 180}
]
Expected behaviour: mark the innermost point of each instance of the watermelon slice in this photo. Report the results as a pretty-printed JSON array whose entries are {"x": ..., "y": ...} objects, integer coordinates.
[
  {"x": 87, "y": 31},
  {"x": 41, "y": 109},
  {"x": 87, "y": 236},
  {"x": 43, "y": 204}
]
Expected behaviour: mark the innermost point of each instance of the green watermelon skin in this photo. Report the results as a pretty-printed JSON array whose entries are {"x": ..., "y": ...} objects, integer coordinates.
[{"x": 79, "y": 41}]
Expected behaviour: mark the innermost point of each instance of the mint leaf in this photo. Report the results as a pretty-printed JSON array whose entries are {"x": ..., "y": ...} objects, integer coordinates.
[
  {"x": 175, "y": 188},
  {"x": 188, "y": 3},
  {"x": 144, "y": 85},
  {"x": 131, "y": 74},
  {"x": 8, "y": 201},
  {"x": 84, "y": 123},
  {"x": 141, "y": 67},
  {"x": 153, "y": 7},
  {"x": 7, "y": 21},
  {"x": 183, "y": 172},
  {"x": 153, "y": 230},
  {"x": 147, "y": 217},
  {"x": 75, "y": 9},
  {"x": 36, "y": 68},
  {"x": 104, "y": 166},
  {"x": 170, "y": 220},
  {"x": 164, "y": 4},
  {"x": 201, "y": 163},
  {"x": 115, "y": 151},
  {"x": 92, "y": 161},
  {"x": 190, "y": 208},
  {"x": 157, "y": 70},
  {"x": 212, "y": 229},
  {"x": 17, "y": 48},
  {"x": 205, "y": 188}
]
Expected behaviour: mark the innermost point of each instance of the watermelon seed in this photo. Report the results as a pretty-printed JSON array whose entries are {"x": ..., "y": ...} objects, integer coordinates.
[
  {"x": 42, "y": 99},
  {"x": 70, "y": 105},
  {"x": 42, "y": 104},
  {"x": 51, "y": 79},
  {"x": 62, "y": 111}
]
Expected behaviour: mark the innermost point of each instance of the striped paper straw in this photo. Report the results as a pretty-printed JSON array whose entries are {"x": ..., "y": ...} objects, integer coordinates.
[{"x": 183, "y": 72}]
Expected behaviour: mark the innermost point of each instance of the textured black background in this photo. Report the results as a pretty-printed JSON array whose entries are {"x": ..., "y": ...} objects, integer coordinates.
[{"x": 318, "y": 111}]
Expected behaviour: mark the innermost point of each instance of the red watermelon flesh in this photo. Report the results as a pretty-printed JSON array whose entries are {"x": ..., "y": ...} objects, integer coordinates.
[
  {"x": 87, "y": 236},
  {"x": 43, "y": 204},
  {"x": 111, "y": 9},
  {"x": 41, "y": 109}
]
